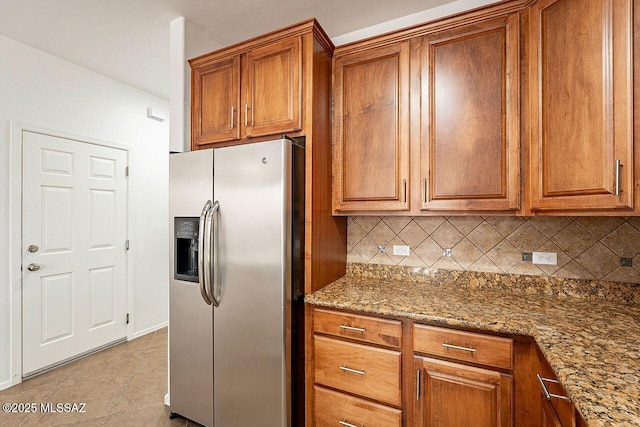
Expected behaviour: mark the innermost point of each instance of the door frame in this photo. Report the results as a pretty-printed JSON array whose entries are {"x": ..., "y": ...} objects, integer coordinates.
[{"x": 16, "y": 130}]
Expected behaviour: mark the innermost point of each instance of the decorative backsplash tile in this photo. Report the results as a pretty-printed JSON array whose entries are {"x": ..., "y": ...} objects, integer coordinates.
[{"x": 587, "y": 247}]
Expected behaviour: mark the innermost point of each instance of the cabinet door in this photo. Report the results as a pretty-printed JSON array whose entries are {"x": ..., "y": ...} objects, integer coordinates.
[
  {"x": 549, "y": 416},
  {"x": 581, "y": 104},
  {"x": 470, "y": 151},
  {"x": 454, "y": 395},
  {"x": 272, "y": 88},
  {"x": 215, "y": 102},
  {"x": 371, "y": 129}
]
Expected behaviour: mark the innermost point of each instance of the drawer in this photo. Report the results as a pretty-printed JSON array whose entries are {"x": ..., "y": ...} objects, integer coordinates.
[
  {"x": 333, "y": 407},
  {"x": 359, "y": 369},
  {"x": 465, "y": 346},
  {"x": 362, "y": 328}
]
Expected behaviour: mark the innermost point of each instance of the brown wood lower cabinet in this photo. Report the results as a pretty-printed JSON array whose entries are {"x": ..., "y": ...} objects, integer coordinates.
[
  {"x": 451, "y": 395},
  {"x": 556, "y": 408},
  {"x": 357, "y": 382},
  {"x": 339, "y": 409},
  {"x": 549, "y": 416},
  {"x": 391, "y": 372}
]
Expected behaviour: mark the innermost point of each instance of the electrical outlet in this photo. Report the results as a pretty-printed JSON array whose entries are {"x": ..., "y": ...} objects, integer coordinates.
[
  {"x": 401, "y": 250},
  {"x": 548, "y": 258},
  {"x": 626, "y": 262}
]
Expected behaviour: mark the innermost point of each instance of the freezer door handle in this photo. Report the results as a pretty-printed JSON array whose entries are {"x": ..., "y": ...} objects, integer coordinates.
[
  {"x": 213, "y": 256},
  {"x": 201, "y": 249},
  {"x": 207, "y": 255}
]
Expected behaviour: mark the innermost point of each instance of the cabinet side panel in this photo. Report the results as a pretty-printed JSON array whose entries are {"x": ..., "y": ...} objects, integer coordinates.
[{"x": 328, "y": 235}]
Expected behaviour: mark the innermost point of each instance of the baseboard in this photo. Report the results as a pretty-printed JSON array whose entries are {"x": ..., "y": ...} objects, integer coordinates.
[
  {"x": 149, "y": 330},
  {"x": 6, "y": 384}
]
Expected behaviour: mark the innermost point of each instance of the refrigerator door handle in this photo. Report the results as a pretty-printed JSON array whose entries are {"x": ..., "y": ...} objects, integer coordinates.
[
  {"x": 215, "y": 292},
  {"x": 207, "y": 255},
  {"x": 201, "y": 250}
]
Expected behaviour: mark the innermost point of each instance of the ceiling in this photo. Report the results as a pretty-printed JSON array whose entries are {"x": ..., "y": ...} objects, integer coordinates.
[{"x": 128, "y": 40}]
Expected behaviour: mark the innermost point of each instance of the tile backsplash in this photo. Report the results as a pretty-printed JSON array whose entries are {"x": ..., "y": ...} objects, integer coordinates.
[{"x": 587, "y": 247}]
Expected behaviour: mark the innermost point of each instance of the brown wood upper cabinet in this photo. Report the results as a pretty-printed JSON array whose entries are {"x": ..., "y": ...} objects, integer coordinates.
[
  {"x": 451, "y": 98},
  {"x": 470, "y": 148},
  {"x": 216, "y": 102},
  {"x": 371, "y": 129},
  {"x": 273, "y": 89},
  {"x": 581, "y": 80},
  {"x": 248, "y": 95}
]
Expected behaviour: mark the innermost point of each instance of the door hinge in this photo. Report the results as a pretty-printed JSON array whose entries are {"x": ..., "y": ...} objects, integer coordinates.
[
  {"x": 127, "y": 318},
  {"x": 126, "y": 244},
  {"x": 126, "y": 171}
]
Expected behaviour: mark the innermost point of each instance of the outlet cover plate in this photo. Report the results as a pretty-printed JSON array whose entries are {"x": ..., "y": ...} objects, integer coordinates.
[
  {"x": 401, "y": 250},
  {"x": 548, "y": 258}
]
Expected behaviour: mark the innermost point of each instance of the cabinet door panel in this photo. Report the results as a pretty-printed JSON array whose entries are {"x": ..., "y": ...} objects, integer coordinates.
[
  {"x": 215, "y": 102},
  {"x": 453, "y": 395},
  {"x": 549, "y": 416},
  {"x": 470, "y": 151},
  {"x": 582, "y": 104},
  {"x": 371, "y": 120},
  {"x": 272, "y": 89}
]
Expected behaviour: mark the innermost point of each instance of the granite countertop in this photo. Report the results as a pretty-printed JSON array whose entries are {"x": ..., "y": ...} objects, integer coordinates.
[{"x": 592, "y": 342}]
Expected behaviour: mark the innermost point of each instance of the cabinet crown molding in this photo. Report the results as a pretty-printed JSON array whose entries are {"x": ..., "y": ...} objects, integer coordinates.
[
  {"x": 305, "y": 27},
  {"x": 440, "y": 24}
]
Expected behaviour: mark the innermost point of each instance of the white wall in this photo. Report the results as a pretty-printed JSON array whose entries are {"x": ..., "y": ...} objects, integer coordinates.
[
  {"x": 432, "y": 14},
  {"x": 186, "y": 41},
  {"x": 45, "y": 91}
]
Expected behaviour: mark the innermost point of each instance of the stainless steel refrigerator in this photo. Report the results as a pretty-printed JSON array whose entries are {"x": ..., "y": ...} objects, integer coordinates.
[{"x": 237, "y": 274}]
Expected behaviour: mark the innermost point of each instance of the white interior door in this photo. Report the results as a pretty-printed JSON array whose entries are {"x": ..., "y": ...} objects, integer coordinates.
[{"x": 74, "y": 197}]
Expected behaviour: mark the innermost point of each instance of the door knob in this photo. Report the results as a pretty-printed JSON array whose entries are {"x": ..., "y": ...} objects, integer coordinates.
[
  {"x": 33, "y": 248},
  {"x": 33, "y": 267}
]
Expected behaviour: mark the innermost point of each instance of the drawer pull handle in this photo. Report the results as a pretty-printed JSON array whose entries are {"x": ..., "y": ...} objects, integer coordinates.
[
  {"x": 353, "y": 371},
  {"x": 346, "y": 424},
  {"x": 457, "y": 347},
  {"x": 352, "y": 328},
  {"x": 546, "y": 393}
]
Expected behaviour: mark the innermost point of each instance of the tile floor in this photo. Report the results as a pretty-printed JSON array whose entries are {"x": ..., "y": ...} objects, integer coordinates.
[{"x": 121, "y": 386}]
